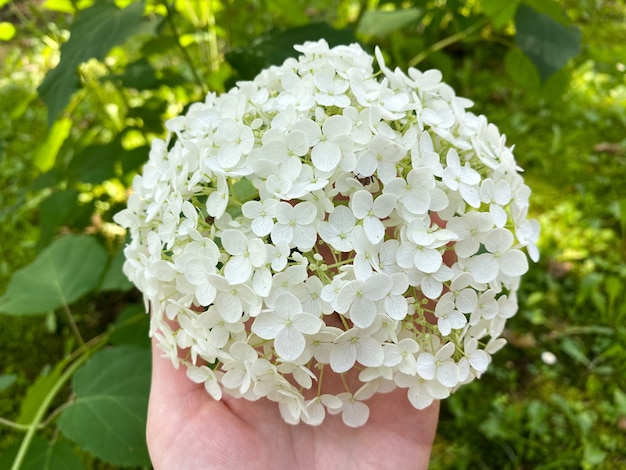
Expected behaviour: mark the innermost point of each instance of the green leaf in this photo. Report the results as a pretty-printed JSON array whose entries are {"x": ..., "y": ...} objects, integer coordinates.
[
  {"x": 61, "y": 274},
  {"x": 97, "y": 30},
  {"x": 139, "y": 74},
  {"x": 381, "y": 23},
  {"x": 114, "y": 278},
  {"x": 43, "y": 455},
  {"x": 244, "y": 190},
  {"x": 548, "y": 43},
  {"x": 276, "y": 47},
  {"x": 56, "y": 211},
  {"x": 108, "y": 417},
  {"x": 37, "y": 391},
  {"x": 95, "y": 163},
  {"x": 131, "y": 327},
  {"x": 521, "y": 70},
  {"x": 47, "y": 153},
  {"x": 6, "y": 380},
  {"x": 552, "y": 8}
]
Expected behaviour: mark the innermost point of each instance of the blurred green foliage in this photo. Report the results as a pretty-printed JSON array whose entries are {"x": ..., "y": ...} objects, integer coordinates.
[{"x": 87, "y": 84}]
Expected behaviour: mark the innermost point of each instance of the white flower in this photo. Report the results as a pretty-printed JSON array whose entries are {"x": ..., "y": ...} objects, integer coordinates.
[
  {"x": 234, "y": 140},
  {"x": 246, "y": 255},
  {"x": 310, "y": 294},
  {"x": 356, "y": 345},
  {"x": 422, "y": 392},
  {"x": 421, "y": 250},
  {"x": 418, "y": 193},
  {"x": 462, "y": 178},
  {"x": 381, "y": 157},
  {"x": 354, "y": 413},
  {"x": 205, "y": 375},
  {"x": 286, "y": 324},
  {"x": 337, "y": 232},
  {"x": 501, "y": 258},
  {"x": 330, "y": 142},
  {"x": 448, "y": 318},
  {"x": 323, "y": 219},
  {"x": 366, "y": 258},
  {"x": 331, "y": 89},
  {"x": 360, "y": 298},
  {"x": 371, "y": 211},
  {"x": 261, "y": 214},
  {"x": 440, "y": 366},
  {"x": 294, "y": 225},
  {"x": 233, "y": 301},
  {"x": 402, "y": 355},
  {"x": 471, "y": 229}
]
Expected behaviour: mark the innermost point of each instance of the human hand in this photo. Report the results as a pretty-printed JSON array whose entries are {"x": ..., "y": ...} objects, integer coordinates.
[{"x": 187, "y": 430}]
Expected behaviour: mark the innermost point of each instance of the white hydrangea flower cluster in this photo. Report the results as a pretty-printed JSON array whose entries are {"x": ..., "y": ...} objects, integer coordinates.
[{"x": 325, "y": 219}]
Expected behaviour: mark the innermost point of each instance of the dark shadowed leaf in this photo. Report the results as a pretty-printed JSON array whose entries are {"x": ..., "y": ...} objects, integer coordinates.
[
  {"x": 95, "y": 163},
  {"x": 274, "y": 48},
  {"x": 548, "y": 43},
  {"x": 114, "y": 278},
  {"x": 131, "y": 327},
  {"x": 93, "y": 34},
  {"x": 43, "y": 455},
  {"x": 108, "y": 417},
  {"x": 65, "y": 271}
]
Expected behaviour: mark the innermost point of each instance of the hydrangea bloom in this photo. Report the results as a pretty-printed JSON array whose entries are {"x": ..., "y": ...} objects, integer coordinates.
[{"x": 326, "y": 218}]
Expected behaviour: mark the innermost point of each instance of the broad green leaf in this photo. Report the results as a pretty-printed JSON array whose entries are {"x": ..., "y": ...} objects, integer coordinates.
[
  {"x": 548, "y": 43},
  {"x": 37, "y": 391},
  {"x": 114, "y": 278},
  {"x": 108, "y": 417},
  {"x": 95, "y": 163},
  {"x": 47, "y": 153},
  {"x": 61, "y": 274},
  {"x": 131, "y": 327},
  {"x": 56, "y": 210},
  {"x": 552, "y": 8},
  {"x": 7, "y": 31},
  {"x": 276, "y": 47},
  {"x": 43, "y": 455},
  {"x": 244, "y": 190},
  {"x": 97, "y": 30},
  {"x": 523, "y": 72},
  {"x": 6, "y": 380},
  {"x": 133, "y": 159},
  {"x": 139, "y": 74},
  {"x": 381, "y": 23}
]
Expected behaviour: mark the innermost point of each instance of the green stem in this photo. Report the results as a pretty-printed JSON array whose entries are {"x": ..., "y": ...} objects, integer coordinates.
[
  {"x": 13, "y": 424},
  {"x": 32, "y": 427},
  {"x": 88, "y": 348},
  {"x": 445, "y": 42},
  {"x": 73, "y": 326}
]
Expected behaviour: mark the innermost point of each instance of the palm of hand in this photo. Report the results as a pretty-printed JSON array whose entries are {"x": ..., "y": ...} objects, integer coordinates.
[{"x": 189, "y": 430}]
